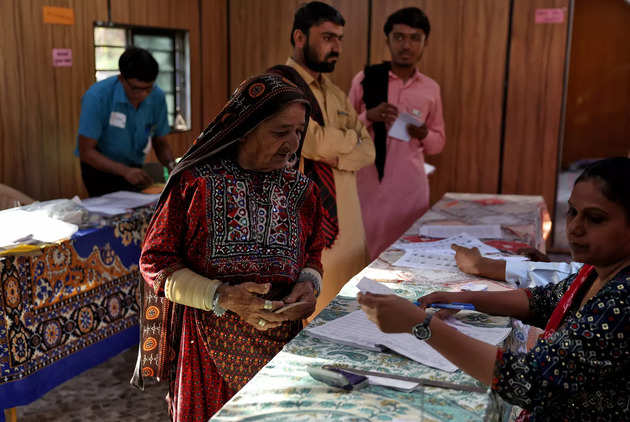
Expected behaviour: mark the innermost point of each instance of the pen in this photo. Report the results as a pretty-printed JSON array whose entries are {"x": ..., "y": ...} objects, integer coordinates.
[{"x": 454, "y": 305}]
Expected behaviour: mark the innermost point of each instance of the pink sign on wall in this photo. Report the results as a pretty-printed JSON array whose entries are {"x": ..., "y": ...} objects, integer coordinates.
[
  {"x": 550, "y": 15},
  {"x": 62, "y": 57}
]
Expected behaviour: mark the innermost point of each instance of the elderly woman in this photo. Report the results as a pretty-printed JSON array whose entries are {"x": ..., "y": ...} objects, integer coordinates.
[
  {"x": 235, "y": 237},
  {"x": 580, "y": 367}
]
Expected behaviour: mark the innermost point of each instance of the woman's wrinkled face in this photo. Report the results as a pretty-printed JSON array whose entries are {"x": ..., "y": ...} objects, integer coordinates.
[
  {"x": 271, "y": 145},
  {"x": 597, "y": 228}
]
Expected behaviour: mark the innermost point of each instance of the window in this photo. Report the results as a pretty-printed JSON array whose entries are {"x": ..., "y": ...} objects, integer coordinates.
[{"x": 170, "y": 49}]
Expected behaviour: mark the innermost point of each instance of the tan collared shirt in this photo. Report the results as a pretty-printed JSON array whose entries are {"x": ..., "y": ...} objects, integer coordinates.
[
  {"x": 343, "y": 135},
  {"x": 344, "y": 138}
]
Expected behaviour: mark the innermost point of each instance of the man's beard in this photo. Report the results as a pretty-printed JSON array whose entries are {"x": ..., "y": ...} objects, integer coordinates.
[{"x": 310, "y": 60}]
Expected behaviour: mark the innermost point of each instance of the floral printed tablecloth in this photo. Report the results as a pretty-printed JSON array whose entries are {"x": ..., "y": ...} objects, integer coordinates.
[
  {"x": 68, "y": 307},
  {"x": 283, "y": 390}
]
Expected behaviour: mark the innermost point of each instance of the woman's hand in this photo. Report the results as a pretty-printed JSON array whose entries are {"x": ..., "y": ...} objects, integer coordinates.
[
  {"x": 392, "y": 314},
  {"x": 242, "y": 299},
  {"x": 467, "y": 259},
  {"x": 470, "y": 261},
  {"x": 441, "y": 297},
  {"x": 302, "y": 292}
]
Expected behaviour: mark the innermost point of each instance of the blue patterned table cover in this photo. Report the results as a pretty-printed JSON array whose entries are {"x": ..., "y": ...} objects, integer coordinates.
[
  {"x": 283, "y": 390},
  {"x": 68, "y": 308}
]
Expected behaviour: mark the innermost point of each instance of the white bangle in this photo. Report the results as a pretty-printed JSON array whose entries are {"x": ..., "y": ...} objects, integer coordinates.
[
  {"x": 313, "y": 276},
  {"x": 217, "y": 309}
]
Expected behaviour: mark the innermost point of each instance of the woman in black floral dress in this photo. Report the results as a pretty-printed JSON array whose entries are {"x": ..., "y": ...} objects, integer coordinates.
[{"x": 580, "y": 367}]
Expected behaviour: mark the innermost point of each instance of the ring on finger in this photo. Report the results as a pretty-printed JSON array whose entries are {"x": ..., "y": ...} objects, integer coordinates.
[
  {"x": 268, "y": 306},
  {"x": 262, "y": 322}
]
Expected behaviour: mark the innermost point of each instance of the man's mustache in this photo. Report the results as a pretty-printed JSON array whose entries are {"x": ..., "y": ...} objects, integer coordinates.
[{"x": 331, "y": 55}]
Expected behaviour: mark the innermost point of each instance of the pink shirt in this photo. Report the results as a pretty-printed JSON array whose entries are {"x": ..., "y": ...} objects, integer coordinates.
[{"x": 390, "y": 206}]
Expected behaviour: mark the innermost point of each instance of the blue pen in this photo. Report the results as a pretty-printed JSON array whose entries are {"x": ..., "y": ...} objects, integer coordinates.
[{"x": 454, "y": 305}]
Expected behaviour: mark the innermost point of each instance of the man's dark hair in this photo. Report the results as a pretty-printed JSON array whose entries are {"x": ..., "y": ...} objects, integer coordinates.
[
  {"x": 138, "y": 63},
  {"x": 314, "y": 13},
  {"x": 410, "y": 16}
]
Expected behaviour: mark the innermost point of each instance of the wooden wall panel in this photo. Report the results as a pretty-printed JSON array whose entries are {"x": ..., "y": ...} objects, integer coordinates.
[
  {"x": 598, "y": 94},
  {"x": 534, "y": 102},
  {"x": 466, "y": 55},
  {"x": 180, "y": 14},
  {"x": 40, "y": 104},
  {"x": 260, "y": 37},
  {"x": 40, "y": 107},
  {"x": 214, "y": 58}
]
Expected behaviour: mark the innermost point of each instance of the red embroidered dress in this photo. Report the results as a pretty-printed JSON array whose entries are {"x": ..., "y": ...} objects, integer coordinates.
[{"x": 237, "y": 226}]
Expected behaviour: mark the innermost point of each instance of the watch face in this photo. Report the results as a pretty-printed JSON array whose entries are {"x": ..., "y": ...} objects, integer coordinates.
[{"x": 421, "y": 331}]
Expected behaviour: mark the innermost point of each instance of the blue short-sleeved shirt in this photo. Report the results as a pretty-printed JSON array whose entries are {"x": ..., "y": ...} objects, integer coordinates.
[{"x": 122, "y": 131}]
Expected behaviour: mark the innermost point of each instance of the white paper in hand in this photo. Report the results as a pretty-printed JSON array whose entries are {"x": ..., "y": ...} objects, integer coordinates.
[
  {"x": 399, "y": 128},
  {"x": 367, "y": 285}
]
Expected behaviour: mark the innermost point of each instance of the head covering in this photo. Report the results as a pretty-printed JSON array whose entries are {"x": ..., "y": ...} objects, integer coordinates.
[{"x": 254, "y": 101}]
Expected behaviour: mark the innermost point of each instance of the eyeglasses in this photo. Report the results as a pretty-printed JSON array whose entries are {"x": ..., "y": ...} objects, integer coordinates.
[{"x": 139, "y": 88}]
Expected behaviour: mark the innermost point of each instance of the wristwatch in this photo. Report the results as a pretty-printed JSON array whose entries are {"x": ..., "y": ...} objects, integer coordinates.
[{"x": 422, "y": 331}]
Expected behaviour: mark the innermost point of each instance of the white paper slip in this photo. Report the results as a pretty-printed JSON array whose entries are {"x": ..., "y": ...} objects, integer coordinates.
[
  {"x": 399, "y": 385},
  {"x": 367, "y": 285},
  {"x": 491, "y": 231},
  {"x": 399, "y": 128},
  {"x": 428, "y": 169}
]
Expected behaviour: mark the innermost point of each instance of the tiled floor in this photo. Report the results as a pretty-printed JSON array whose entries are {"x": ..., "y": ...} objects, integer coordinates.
[{"x": 100, "y": 394}]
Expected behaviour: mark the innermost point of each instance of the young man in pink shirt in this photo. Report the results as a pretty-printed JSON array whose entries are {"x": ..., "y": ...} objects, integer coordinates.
[{"x": 394, "y": 192}]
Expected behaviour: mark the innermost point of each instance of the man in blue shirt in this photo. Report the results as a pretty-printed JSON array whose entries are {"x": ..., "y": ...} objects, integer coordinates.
[{"x": 119, "y": 115}]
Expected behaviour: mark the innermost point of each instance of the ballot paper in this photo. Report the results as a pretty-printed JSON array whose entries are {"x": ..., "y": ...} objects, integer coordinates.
[
  {"x": 428, "y": 169},
  {"x": 399, "y": 128},
  {"x": 356, "y": 330},
  {"x": 117, "y": 203},
  {"x": 371, "y": 286},
  {"x": 439, "y": 255},
  {"x": 399, "y": 385},
  {"x": 487, "y": 231}
]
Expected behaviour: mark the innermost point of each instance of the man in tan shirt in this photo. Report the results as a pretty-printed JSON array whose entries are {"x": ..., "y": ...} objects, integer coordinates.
[{"x": 342, "y": 141}]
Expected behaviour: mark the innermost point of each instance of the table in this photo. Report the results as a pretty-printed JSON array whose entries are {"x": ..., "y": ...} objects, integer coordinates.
[
  {"x": 283, "y": 390},
  {"x": 68, "y": 307}
]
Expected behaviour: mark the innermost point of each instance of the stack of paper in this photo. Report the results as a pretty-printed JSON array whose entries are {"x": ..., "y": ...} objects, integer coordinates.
[
  {"x": 21, "y": 227},
  {"x": 120, "y": 202},
  {"x": 356, "y": 330}
]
